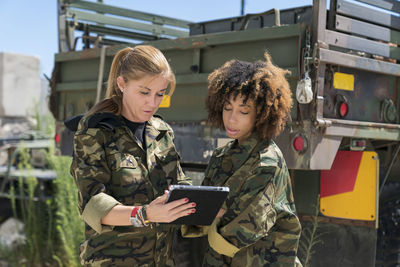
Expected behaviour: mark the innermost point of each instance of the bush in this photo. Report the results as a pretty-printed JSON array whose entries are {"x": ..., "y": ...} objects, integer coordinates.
[{"x": 53, "y": 227}]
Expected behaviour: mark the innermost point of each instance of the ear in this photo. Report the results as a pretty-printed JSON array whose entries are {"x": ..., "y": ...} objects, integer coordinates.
[{"x": 121, "y": 83}]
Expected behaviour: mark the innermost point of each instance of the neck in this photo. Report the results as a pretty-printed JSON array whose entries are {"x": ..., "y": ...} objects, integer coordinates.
[
  {"x": 244, "y": 138},
  {"x": 130, "y": 117}
]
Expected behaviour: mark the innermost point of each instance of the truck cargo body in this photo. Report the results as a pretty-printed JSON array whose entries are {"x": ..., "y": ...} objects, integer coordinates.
[{"x": 342, "y": 148}]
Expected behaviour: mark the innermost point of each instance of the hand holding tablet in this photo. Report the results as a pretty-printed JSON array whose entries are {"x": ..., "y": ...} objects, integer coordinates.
[{"x": 208, "y": 199}]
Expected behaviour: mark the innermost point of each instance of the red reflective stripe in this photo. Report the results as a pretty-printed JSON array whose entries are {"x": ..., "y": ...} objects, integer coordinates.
[{"x": 343, "y": 174}]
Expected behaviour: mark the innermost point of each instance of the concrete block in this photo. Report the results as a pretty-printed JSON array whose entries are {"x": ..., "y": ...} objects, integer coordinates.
[{"x": 20, "y": 84}]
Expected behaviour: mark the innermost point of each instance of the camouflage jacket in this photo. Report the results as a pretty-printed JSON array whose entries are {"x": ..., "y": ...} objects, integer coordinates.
[
  {"x": 260, "y": 222},
  {"x": 111, "y": 167}
]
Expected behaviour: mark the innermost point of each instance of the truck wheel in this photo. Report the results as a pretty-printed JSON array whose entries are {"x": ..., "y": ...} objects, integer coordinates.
[{"x": 388, "y": 243}]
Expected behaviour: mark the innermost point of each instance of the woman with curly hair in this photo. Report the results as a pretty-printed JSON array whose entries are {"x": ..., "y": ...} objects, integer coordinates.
[{"x": 257, "y": 225}]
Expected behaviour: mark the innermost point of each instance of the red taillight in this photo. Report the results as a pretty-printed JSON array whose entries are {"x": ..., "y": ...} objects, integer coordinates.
[
  {"x": 57, "y": 138},
  {"x": 361, "y": 143},
  {"x": 343, "y": 109},
  {"x": 298, "y": 143}
]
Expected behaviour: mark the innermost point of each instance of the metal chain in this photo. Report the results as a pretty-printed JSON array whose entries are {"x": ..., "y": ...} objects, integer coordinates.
[{"x": 307, "y": 54}]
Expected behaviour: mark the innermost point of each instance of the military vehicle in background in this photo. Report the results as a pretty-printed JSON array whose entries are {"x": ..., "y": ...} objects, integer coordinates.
[{"x": 342, "y": 144}]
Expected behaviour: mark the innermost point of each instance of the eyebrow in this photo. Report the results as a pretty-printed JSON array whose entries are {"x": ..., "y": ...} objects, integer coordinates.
[
  {"x": 145, "y": 87},
  {"x": 241, "y": 105}
]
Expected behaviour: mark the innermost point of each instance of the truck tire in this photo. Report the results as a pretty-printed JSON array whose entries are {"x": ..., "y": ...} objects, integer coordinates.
[{"x": 388, "y": 243}]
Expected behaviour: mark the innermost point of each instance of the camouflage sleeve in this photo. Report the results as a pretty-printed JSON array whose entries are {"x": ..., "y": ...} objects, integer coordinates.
[
  {"x": 256, "y": 210},
  {"x": 289, "y": 224},
  {"x": 208, "y": 171},
  {"x": 91, "y": 172},
  {"x": 206, "y": 180},
  {"x": 181, "y": 177}
]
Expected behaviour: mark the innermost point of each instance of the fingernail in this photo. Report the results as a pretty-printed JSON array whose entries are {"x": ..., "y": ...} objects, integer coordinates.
[
  {"x": 186, "y": 199},
  {"x": 193, "y": 204},
  {"x": 193, "y": 210}
]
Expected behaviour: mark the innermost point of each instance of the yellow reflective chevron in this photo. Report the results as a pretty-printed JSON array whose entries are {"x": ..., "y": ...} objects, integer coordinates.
[
  {"x": 166, "y": 102},
  {"x": 360, "y": 203}
]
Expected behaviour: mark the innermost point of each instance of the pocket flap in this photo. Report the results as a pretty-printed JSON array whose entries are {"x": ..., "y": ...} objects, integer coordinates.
[
  {"x": 128, "y": 161},
  {"x": 168, "y": 155}
]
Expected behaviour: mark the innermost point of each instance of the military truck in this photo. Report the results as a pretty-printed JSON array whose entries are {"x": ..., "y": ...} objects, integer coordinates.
[{"x": 342, "y": 143}]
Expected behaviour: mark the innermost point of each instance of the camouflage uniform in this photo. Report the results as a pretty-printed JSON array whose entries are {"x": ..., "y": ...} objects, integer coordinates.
[
  {"x": 260, "y": 226},
  {"x": 111, "y": 167}
]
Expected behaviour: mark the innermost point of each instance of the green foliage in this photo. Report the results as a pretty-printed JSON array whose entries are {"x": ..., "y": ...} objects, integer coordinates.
[
  {"x": 8, "y": 255},
  {"x": 68, "y": 223},
  {"x": 53, "y": 226},
  {"x": 45, "y": 123},
  {"x": 34, "y": 214},
  {"x": 310, "y": 237}
]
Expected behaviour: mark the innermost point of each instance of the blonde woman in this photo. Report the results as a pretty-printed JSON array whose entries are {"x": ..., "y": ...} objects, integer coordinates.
[{"x": 124, "y": 160}]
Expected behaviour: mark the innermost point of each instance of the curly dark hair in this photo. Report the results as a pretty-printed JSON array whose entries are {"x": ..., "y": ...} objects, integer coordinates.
[{"x": 262, "y": 82}]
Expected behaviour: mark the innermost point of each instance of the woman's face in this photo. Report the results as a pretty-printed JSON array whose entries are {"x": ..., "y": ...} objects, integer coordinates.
[
  {"x": 239, "y": 118},
  {"x": 141, "y": 98}
]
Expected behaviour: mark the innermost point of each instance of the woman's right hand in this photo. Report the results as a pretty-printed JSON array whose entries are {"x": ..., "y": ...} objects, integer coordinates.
[{"x": 159, "y": 211}]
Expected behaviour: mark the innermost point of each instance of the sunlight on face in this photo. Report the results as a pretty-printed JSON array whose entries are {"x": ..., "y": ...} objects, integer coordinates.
[
  {"x": 239, "y": 118},
  {"x": 141, "y": 98}
]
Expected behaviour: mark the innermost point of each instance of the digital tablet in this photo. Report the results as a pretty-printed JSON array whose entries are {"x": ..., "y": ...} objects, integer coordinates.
[{"x": 208, "y": 199}]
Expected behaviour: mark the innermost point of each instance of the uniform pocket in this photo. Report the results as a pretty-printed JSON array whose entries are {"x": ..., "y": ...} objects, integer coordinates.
[
  {"x": 129, "y": 171},
  {"x": 167, "y": 163},
  {"x": 129, "y": 185}
]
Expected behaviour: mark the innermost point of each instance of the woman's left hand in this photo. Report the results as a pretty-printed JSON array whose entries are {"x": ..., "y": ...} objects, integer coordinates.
[{"x": 220, "y": 213}]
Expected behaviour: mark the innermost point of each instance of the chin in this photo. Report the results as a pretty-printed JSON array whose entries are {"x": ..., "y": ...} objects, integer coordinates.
[
  {"x": 146, "y": 117},
  {"x": 230, "y": 136}
]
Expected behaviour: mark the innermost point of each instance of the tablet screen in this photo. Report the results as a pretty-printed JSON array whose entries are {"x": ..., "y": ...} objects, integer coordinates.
[{"x": 208, "y": 199}]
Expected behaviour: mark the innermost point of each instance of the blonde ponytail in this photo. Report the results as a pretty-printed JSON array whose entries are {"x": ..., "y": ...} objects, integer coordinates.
[
  {"x": 115, "y": 71},
  {"x": 133, "y": 64}
]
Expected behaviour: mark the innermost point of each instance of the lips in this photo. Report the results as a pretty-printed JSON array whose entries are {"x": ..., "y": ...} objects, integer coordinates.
[{"x": 231, "y": 131}]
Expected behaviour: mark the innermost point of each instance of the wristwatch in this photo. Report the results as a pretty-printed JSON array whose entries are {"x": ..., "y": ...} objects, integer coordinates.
[{"x": 146, "y": 222}]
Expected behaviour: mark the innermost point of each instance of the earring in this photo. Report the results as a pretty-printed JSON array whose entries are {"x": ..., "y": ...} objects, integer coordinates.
[{"x": 122, "y": 91}]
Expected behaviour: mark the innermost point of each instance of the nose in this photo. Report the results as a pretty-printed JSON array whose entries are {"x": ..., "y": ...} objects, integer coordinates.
[
  {"x": 152, "y": 102},
  {"x": 232, "y": 117}
]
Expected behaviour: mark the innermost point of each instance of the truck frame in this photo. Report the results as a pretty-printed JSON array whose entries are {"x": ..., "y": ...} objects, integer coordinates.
[{"x": 343, "y": 141}]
